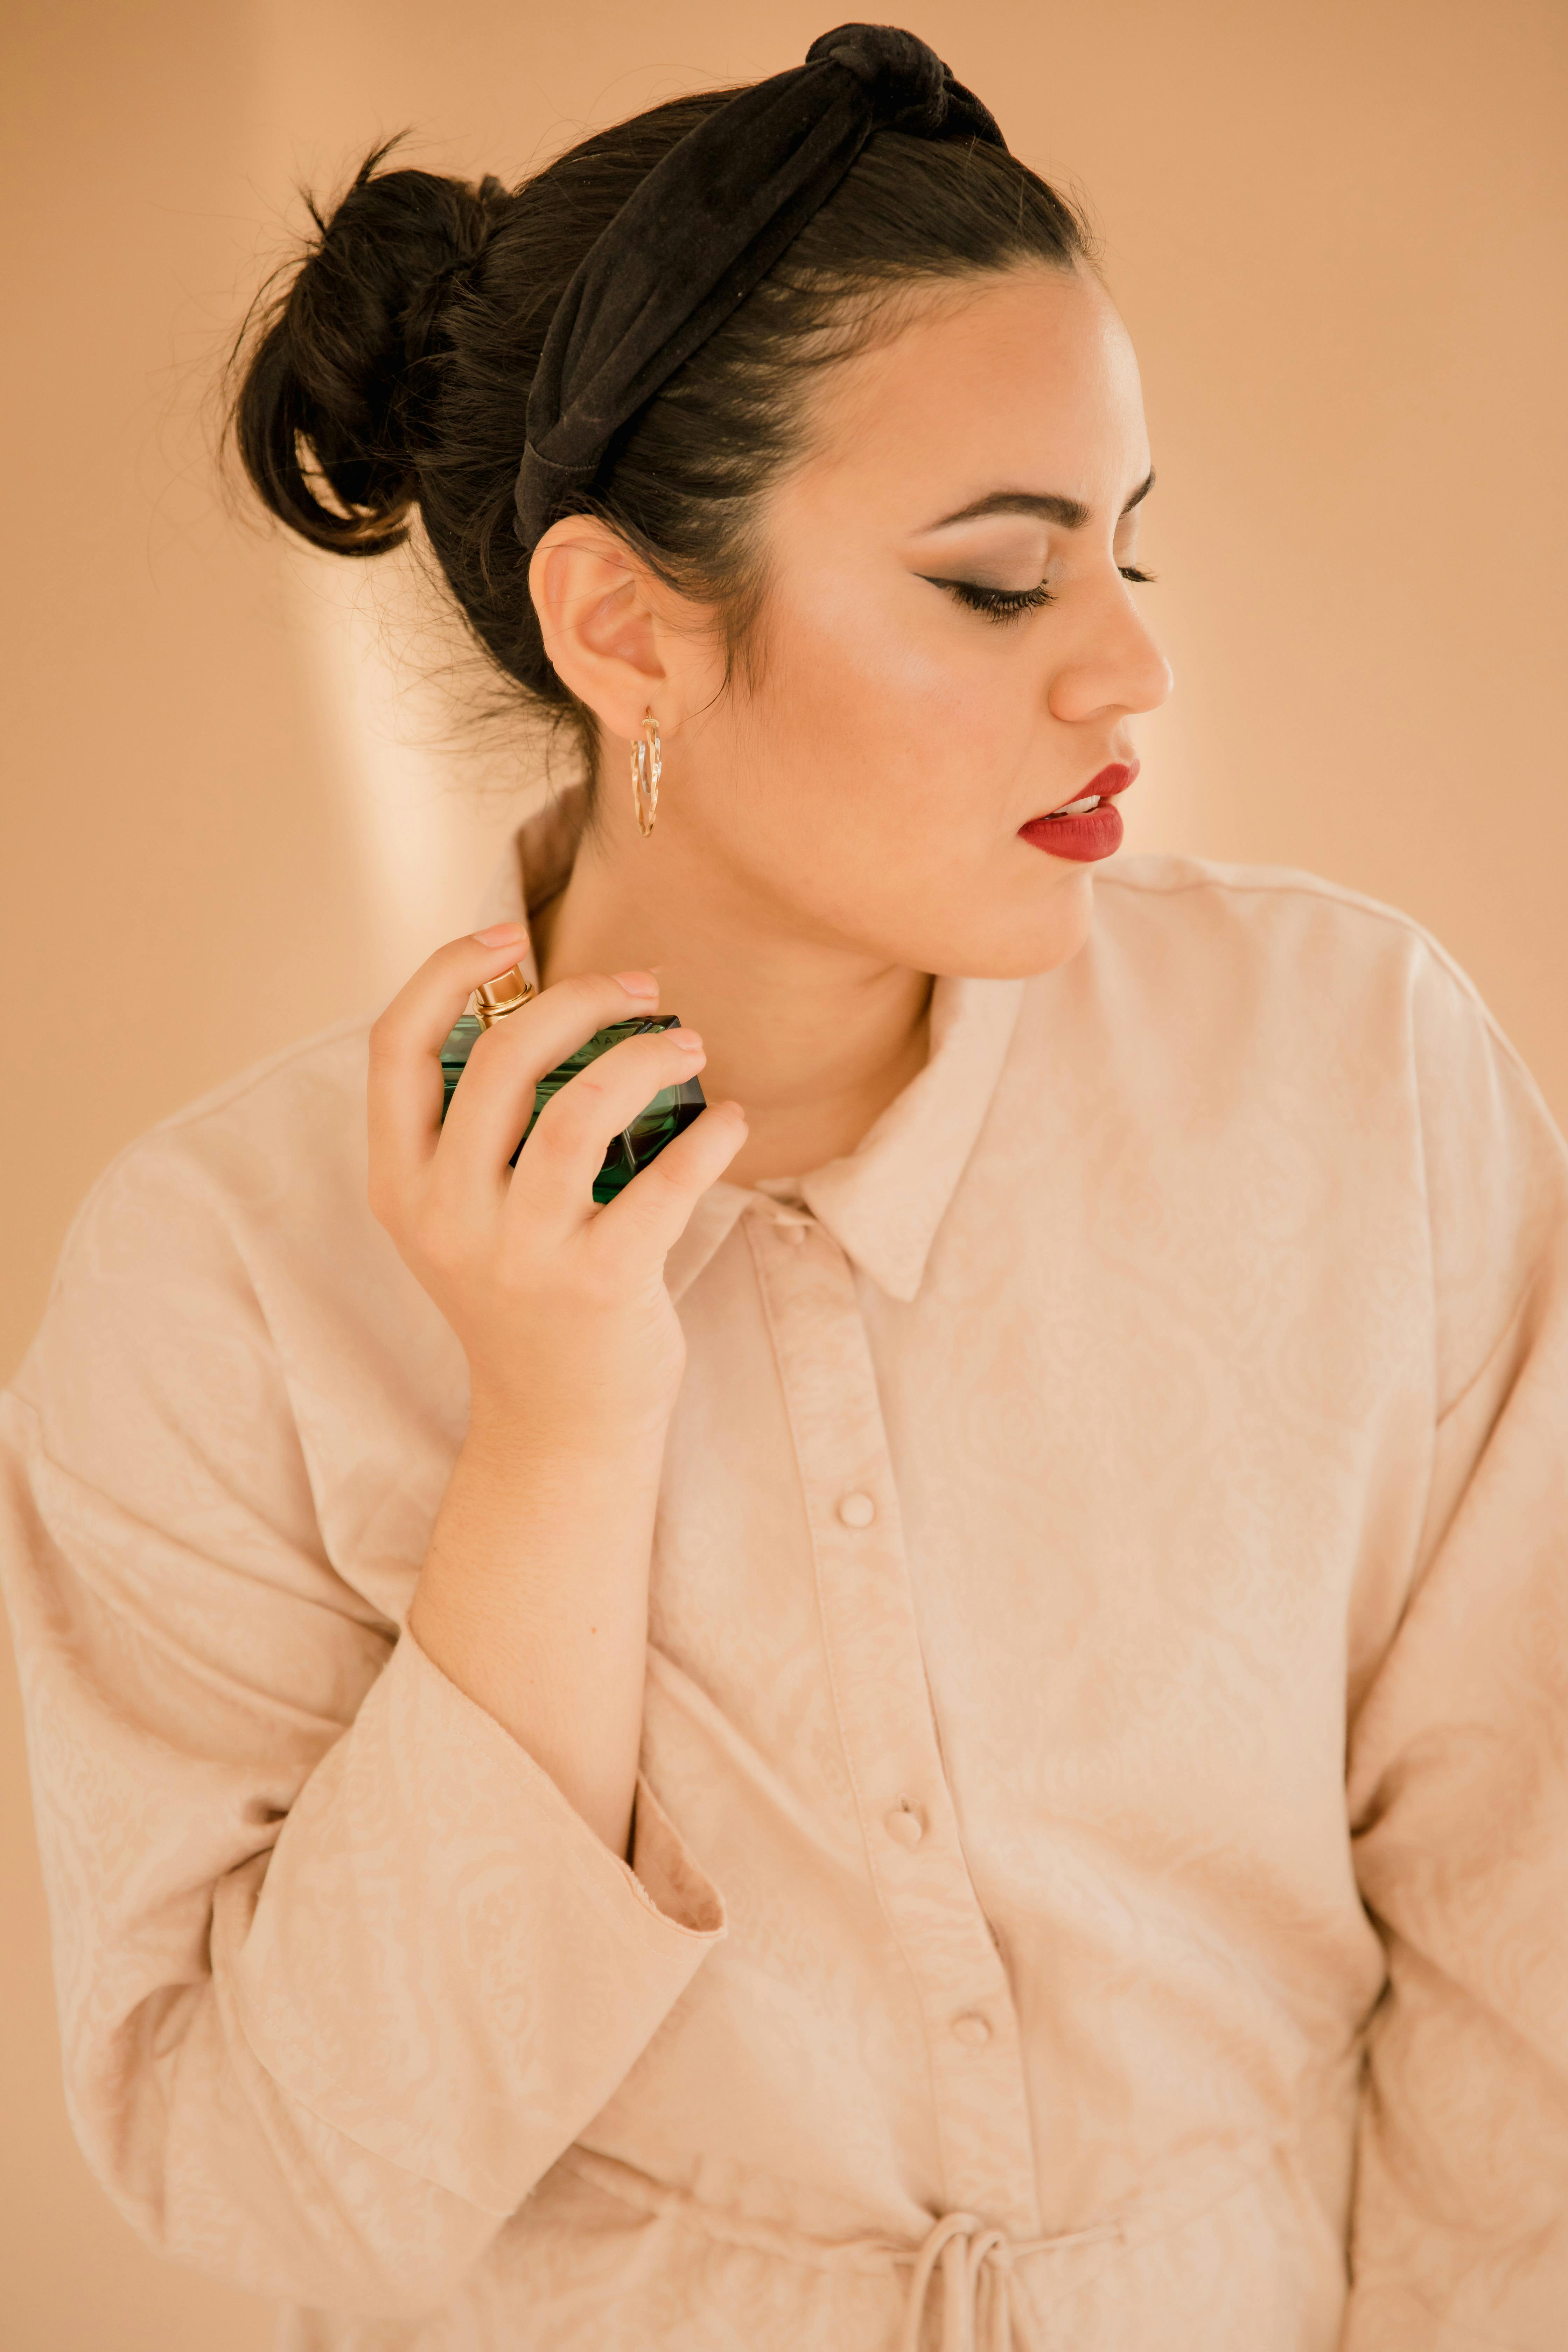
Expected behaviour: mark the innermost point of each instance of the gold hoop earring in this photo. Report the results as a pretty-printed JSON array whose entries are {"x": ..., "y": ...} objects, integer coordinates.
[{"x": 648, "y": 766}]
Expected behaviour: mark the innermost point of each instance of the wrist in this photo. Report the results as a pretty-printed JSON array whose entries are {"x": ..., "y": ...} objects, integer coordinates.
[{"x": 513, "y": 1437}]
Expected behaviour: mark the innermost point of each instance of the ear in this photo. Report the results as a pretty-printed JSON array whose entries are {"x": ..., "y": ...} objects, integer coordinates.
[{"x": 612, "y": 630}]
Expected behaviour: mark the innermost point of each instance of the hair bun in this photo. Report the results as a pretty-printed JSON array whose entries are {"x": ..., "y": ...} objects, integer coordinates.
[
  {"x": 385, "y": 373},
  {"x": 349, "y": 359}
]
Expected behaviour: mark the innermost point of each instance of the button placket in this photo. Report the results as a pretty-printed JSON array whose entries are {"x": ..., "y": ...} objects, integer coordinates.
[
  {"x": 883, "y": 1706},
  {"x": 782, "y": 1223}
]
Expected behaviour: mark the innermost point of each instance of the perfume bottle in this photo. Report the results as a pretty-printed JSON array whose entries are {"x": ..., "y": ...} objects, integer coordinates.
[{"x": 657, "y": 1124}]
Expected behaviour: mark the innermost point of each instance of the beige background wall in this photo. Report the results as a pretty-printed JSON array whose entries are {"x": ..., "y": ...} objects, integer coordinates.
[{"x": 1337, "y": 233}]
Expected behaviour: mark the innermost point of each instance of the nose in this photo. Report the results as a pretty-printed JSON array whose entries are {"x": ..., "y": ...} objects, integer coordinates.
[{"x": 1112, "y": 661}]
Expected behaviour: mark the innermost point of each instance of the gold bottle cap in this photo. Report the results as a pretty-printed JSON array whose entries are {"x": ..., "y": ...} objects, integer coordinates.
[{"x": 499, "y": 997}]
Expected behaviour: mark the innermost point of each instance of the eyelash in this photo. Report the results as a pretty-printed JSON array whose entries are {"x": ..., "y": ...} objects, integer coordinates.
[
  {"x": 996, "y": 604},
  {"x": 1007, "y": 603}
]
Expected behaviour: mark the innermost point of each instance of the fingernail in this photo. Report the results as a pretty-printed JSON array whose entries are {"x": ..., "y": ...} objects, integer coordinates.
[
  {"x": 739, "y": 1108},
  {"x": 502, "y": 935},
  {"x": 687, "y": 1039},
  {"x": 638, "y": 983}
]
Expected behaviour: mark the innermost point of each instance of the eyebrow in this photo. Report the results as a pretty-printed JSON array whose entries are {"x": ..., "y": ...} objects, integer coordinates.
[{"x": 1069, "y": 514}]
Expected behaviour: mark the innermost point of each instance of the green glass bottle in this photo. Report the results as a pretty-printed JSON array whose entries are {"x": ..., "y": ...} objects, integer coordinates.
[{"x": 657, "y": 1124}]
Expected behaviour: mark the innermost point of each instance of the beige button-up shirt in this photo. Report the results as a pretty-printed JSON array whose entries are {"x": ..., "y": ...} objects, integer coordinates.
[{"x": 1100, "y": 1848}]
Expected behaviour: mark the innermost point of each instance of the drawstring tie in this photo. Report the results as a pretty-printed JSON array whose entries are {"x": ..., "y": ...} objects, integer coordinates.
[
  {"x": 976, "y": 2286},
  {"x": 985, "y": 2306}
]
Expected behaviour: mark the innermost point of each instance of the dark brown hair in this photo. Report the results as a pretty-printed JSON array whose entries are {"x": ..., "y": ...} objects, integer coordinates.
[{"x": 391, "y": 367}]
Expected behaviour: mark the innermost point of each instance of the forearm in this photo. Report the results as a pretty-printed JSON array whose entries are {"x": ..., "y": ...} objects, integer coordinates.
[
  {"x": 367, "y": 1978},
  {"x": 533, "y": 1601},
  {"x": 409, "y": 2009}
]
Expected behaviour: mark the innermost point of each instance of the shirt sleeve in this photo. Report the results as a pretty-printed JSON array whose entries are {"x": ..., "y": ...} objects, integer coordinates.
[
  {"x": 1459, "y": 1755},
  {"x": 341, "y": 1972}
]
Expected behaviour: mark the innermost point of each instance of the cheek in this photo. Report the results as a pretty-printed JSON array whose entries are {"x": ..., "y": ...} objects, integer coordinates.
[
  {"x": 888, "y": 688},
  {"x": 885, "y": 750}
]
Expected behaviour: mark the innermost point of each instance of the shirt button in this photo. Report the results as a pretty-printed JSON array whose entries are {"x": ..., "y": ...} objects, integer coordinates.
[
  {"x": 792, "y": 1233},
  {"x": 972, "y": 2031},
  {"x": 904, "y": 1825},
  {"x": 856, "y": 1510}
]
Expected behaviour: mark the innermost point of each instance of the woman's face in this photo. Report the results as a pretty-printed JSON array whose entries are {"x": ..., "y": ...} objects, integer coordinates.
[{"x": 868, "y": 786}]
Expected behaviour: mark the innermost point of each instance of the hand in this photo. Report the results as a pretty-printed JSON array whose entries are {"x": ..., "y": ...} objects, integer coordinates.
[{"x": 559, "y": 1304}]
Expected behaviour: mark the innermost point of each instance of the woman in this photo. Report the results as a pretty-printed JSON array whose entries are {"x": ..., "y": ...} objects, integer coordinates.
[{"x": 941, "y": 1724}]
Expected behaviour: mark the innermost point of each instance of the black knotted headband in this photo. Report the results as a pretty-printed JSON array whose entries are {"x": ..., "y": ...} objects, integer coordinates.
[{"x": 706, "y": 225}]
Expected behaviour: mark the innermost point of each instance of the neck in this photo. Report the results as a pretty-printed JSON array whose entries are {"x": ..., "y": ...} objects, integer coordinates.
[{"x": 812, "y": 1037}]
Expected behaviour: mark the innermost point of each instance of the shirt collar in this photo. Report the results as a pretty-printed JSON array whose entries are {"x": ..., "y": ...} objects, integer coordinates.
[{"x": 881, "y": 1202}]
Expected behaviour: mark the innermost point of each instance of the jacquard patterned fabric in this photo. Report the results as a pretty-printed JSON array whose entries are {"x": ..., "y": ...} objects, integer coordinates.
[{"x": 1102, "y": 1835}]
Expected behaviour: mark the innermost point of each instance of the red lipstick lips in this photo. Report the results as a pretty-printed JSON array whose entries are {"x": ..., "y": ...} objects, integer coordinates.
[{"x": 1095, "y": 832}]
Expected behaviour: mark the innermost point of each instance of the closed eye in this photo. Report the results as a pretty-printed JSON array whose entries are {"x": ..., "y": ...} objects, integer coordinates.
[
  {"x": 1007, "y": 603},
  {"x": 996, "y": 604}
]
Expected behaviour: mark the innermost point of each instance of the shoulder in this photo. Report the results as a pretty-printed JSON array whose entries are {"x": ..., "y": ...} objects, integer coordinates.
[
  {"x": 291, "y": 1122},
  {"x": 281, "y": 1118},
  {"x": 1282, "y": 937},
  {"x": 1363, "y": 1007},
  {"x": 226, "y": 1307},
  {"x": 1269, "y": 993},
  {"x": 201, "y": 1224},
  {"x": 1274, "y": 911}
]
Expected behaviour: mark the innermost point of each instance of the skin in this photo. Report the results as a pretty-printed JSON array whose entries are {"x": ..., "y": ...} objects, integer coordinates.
[{"x": 835, "y": 826}]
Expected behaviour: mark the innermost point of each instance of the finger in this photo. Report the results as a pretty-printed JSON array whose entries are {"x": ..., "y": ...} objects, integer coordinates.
[
  {"x": 494, "y": 1099},
  {"x": 553, "y": 1188},
  {"x": 405, "y": 1081},
  {"x": 648, "y": 1217}
]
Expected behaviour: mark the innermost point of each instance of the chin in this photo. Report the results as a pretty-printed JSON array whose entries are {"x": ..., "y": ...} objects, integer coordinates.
[
  {"x": 1017, "y": 949},
  {"x": 1037, "y": 936}
]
